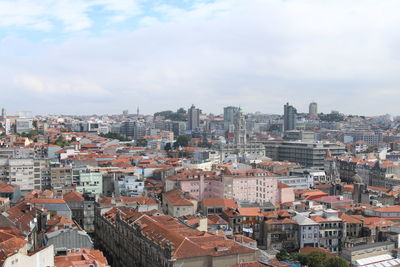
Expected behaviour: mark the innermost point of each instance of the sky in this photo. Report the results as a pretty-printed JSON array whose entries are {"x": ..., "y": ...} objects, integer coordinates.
[{"x": 104, "y": 56}]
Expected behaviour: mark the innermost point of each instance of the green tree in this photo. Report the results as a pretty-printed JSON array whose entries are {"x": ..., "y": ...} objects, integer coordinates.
[
  {"x": 300, "y": 257},
  {"x": 182, "y": 140},
  {"x": 316, "y": 259},
  {"x": 115, "y": 136},
  {"x": 168, "y": 147},
  {"x": 141, "y": 142},
  {"x": 337, "y": 262},
  {"x": 283, "y": 255}
]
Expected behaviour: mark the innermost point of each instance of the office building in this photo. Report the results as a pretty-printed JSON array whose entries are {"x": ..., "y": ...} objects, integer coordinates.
[
  {"x": 313, "y": 109},
  {"x": 229, "y": 116},
  {"x": 194, "y": 118},
  {"x": 289, "y": 118},
  {"x": 308, "y": 154}
]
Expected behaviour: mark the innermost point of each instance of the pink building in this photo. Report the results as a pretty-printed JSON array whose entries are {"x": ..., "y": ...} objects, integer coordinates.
[
  {"x": 200, "y": 184},
  {"x": 285, "y": 193},
  {"x": 252, "y": 185}
]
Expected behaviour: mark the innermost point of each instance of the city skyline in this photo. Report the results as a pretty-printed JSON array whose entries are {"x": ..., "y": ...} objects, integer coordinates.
[{"x": 104, "y": 56}]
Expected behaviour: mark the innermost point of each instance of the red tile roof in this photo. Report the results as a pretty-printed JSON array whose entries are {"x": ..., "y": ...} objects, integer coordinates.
[{"x": 73, "y": 196}]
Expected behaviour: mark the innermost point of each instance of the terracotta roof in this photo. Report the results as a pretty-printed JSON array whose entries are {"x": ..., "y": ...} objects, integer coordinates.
[
  {"x": 219, "y": 202},
  {"x": 10, "y": 244},
  {"x": 73, "y": 196},
  {"x": 82, "y": 258},
  {"x": 176, "y": 197},
  {"x": 282, "y": 185},
  {"x": 125, "y": 200},
  {"x": 350, "y": 219},
  {"x": 250, "y": 264},
  {"x": 395, "y": 208}
]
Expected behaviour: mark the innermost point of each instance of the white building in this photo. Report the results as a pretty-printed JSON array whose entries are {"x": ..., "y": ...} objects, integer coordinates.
[
  {"x": 23, "y": 172},
  {"x": 308, "y": 231}
]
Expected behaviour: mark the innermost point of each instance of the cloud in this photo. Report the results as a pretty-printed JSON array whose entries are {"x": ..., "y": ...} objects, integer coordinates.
[
  {"x": 74, "y": 15},
  {"x": 258, "y": 54}
]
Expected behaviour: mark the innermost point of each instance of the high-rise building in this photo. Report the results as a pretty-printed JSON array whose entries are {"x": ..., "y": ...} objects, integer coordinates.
[
  {"x": 3, "y": 114},
  {"x": 125, "y": 112},
  {"x": 229, "y": 116},
  {"x": 313, "y": 109},
  {"x": 194, "y": 118},
  {"x": 289, "y": 117}
]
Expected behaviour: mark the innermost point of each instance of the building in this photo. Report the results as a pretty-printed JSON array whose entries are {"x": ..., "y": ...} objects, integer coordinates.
[
  {"x": 330, "y": 230},
  {"x": 229, "y": 116},
  {"x": 56, "y": 178},
  {"x": 86, "y": 180},
  {"x": 138, "y": 239},
  {"x": 194, "y": 118},
  {"x": 244, "y": 221},
  {"x": 313, "y": 109},
  {"x": 332, "y": 202},
  {"x": 356, "y": 253},
  {"x": 250, "y": 185},
  {"x": 40, "y": 258},
  {"x": 178, "y": 203},
  {"x": 211, "y": 206},
  {"x": 240, "y": 128},
  {"x": 12, "y": 192},
  {"x": 23, "y": 125},
  {"x": 289, "y": 117},
  {"x": 308, "y": 231},
  {"x": 280, "y": 232},
  {"x": 141, "y": 204},
  {"x": 26, "y": 173},
  {"x": 65, "y": 235},
  {"x": 307, "y": 154},
  {"x": 285, "y": 193},
  {"x": 81, "y": 257}
]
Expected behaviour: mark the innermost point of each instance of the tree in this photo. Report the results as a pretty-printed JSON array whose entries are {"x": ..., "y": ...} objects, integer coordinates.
[
  {"x": 182, "y": 140},
  {"x": 168, "y": 147},
  {"x": 316, "y": 259},
  {"x": 114, "y": 136},
  {"x": 283, "y": 255},
  {"x": 141, "y": 142},
  {"x": 181, "y": 111},
  {"x": 337, "y": 262},
  {"x": 301, "y": 258}
]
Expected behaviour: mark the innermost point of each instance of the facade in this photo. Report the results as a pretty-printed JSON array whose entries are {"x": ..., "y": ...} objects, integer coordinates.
[
  {"x": 87, "y": 180},
  {"x": 240, "y": 129},
  {"x": 289, "y": 117},
  {"x": 308, "y": 231},
  {"x": 229, "y": 116},
  {"x": 330, "y": 230},
  {"x": 280, "y": 232},
  {"x": 313, "y": 109},
  {"x": 254, "y": 185},
  {"x": 26, "y": 173},
  {"x": 23, "y": 125},
  {"x": 178, "y": 203},
  {"x": 194, "y": 118},
  {"x": 58, "y": 179},
  {"x": 137, "y": 239},
  {"x": 311, "y": 154},
  {"x": 65, "y": 239}
]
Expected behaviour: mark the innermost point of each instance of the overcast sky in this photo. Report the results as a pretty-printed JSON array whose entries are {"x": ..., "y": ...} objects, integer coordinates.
[{"x": 103, "y": 56}]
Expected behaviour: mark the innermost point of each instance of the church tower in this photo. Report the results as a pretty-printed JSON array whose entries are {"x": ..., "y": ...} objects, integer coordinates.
[{"x": 240, "y": 128}]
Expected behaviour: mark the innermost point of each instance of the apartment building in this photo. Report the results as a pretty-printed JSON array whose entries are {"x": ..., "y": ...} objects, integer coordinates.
[
  {"x": 330, "y": 230},
  {"x": 143, "y": 239},
  {"x": 250, "y": 185},
  {"x": 26, "y": 173}
]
